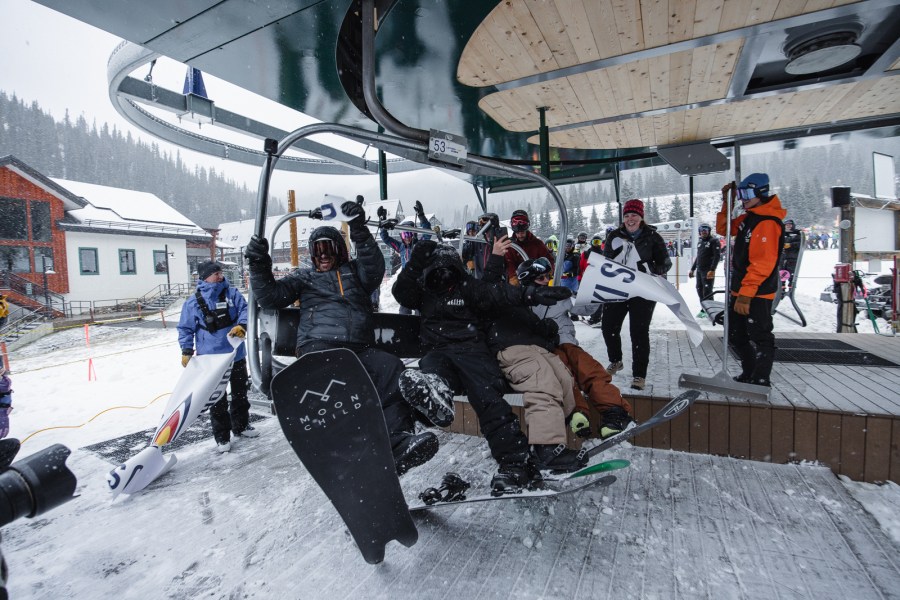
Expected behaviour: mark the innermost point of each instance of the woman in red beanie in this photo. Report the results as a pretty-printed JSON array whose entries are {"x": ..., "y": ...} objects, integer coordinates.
[{"x": 633, "y": 237}]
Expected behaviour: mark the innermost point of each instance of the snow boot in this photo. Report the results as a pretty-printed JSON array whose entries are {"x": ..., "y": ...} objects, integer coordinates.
[
  {"x": 557, "y": 458},
  {"x": 223, "y": 447},
  {"x": 429, "y": 394},
  {"x": 613, "y": 421},
  {"x": 247, "y": 432},
  {"x": 638, "y": 383},
  {"x": 414, "y": 450},
  {"x": 514, "y": 475},
  {"x": 614, "y": 367}
]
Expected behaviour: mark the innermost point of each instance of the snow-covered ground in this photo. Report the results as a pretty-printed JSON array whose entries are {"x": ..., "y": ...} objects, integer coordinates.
[{"x": 70, "y": 551}]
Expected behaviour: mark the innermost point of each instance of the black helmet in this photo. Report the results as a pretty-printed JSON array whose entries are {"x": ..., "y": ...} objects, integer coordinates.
[
  {"x": 492, "y": 217},
  {"x": 704, "y": 226},
  {"x": 583, "y": 234},
  {"x": 444, "y": 272},
  {"x": 791, "y": 221},
  {"x": 336, "y": 241},
  {"x": 533, "y": 268}
]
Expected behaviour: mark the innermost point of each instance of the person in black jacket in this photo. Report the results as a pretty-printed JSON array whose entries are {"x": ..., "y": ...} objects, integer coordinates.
[
  {"x": 523, "y": 344},
  {"x": 453, "y": 305},
  {"x": 633, "y": 237},
  {"x": 337, "y": 313},
  {"x": 793, "y": 238},
  {"x": 706, "y": 260}
]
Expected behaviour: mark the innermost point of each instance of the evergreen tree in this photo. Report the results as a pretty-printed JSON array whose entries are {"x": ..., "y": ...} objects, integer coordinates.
[
  {"x": 677, "y": 213},
  {"x": 594, "y": 223}
]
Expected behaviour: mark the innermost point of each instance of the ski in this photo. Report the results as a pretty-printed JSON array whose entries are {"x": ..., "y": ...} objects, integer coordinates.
[
  {"x": 521, "y": 495},
  {"x": 668, "y": 412}
]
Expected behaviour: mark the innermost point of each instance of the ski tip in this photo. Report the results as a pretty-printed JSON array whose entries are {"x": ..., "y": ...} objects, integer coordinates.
[{"x": 609, "y": 465}]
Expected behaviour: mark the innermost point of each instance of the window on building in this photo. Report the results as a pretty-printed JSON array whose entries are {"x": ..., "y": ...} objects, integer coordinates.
[
  {"x": 39, "y": 262},
  {"x": 87, "y": 261},
  {"x": 41, "y": 229},
  {"x": 127, "y": 264},
  {"x": 160, "y": 266},
  {"x": 13, "y": 220},
  {"x": 15, "y": 259}
]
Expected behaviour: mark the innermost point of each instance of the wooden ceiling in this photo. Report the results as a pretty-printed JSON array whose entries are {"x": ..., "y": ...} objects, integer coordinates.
[{"x": 592, "y": 64}]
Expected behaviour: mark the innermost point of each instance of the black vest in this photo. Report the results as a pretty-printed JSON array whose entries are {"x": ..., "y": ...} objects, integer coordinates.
[{"x": 741, "y": 251}]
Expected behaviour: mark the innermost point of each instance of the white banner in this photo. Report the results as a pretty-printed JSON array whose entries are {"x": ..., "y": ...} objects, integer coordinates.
[{"x": 607, "y": 281}]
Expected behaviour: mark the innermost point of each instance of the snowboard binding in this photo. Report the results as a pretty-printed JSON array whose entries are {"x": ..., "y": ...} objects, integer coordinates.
[{"x": 453, "y": 489}]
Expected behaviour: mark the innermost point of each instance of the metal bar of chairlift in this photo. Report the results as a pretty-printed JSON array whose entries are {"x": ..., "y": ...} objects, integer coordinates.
[{"x": 722, "y": 383}]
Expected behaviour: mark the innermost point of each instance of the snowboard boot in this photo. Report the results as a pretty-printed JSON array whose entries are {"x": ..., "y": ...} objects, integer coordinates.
[
  {"x": 514, "y": 475},
  {"x": 556, "y": 458},
  {"x": 638, "y": 383},
  {"x": 223, "y": 447},
  {"x": 429, "y": 394},
  {"x": 613, "y": 421},
  {"x": 247, "y": 432},
  {"x": 414, "y": 450}
]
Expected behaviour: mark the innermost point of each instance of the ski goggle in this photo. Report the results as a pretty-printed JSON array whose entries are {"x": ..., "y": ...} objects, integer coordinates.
[
  {"x": 597, "y": 243},
  {"x": 471, "y": 226},
  {"x": 551, "y": 245},
  {"x": 746, "y": 194},
  {"x": 406, "y": 235},
  {"x": 702, "y": 229},
  {"x": 519, "y": 223},
  {"x": 324, "y": 248}
]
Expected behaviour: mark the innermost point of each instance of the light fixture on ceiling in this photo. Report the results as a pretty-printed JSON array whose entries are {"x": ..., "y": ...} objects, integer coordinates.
[{"x": 822, "y": 50}]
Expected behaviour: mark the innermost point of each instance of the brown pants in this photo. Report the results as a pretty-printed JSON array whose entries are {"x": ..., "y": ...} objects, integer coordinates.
[
  {"x": 591, "y": 377},
  {"x": 546, "y": 386}
]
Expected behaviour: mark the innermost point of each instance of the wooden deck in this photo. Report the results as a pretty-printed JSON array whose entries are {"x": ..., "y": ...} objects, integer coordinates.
[{"x": 845, "y": 417}]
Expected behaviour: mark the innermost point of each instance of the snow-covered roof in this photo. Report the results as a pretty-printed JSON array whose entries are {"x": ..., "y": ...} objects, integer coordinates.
[{"x": 118, "y": 208}]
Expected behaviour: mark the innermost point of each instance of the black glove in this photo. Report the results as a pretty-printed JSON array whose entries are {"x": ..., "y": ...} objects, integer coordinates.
[
  {"x": 358, "y": 230},
  {"x": 452, "y": 234},
  {"x": 316, "y": 213},
  {"x": 546, "y": 295},
  {"x": 420, "y": 212},
  {"x": 420, "y": 255},
  {"x": 382, "y": 213},
  {"x": 548, "y": 329},
  {"x": 257, "y": 253},
  {"x": 388, "y": 224}
]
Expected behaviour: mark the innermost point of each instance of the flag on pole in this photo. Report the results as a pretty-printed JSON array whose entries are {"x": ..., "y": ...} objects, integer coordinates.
[{"x": 607, "y": 281}]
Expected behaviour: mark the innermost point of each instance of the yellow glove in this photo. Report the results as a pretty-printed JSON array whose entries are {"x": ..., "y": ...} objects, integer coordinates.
[
  {"x": 710, "y": 274},
  {"x": 185, "y": 359},
  {"x": 580, "y": 425},
  {"x": 742, "y": 305},
  {"x": 238, "y": 331}
]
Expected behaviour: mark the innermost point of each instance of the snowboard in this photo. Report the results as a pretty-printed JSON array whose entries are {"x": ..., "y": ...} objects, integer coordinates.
[
  {"x": 675, "y": 407},
  {"x": 331, "y": 415},
  {"x": 523, "y": 495}
]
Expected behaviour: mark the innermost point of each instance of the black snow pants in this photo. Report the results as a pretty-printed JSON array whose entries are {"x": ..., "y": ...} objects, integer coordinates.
[
  {"x": 752, "y": 338},
  {"x": 704, "y": 286},
  {"x": 472, "y": 369},
  {"x": 224, "y": 418},
  {"x": 640, "y": 313}
]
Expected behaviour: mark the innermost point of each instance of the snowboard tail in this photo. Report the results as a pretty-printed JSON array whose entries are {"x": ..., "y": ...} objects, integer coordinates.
[{"x": 331, "y": 415}]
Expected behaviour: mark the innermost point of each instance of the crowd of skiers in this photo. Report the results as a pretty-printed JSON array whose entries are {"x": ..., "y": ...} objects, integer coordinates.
[{"x": 491, "y": 320}]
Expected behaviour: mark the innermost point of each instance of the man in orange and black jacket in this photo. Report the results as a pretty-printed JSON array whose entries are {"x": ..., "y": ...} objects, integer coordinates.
[{"x": 758, "y": 236}]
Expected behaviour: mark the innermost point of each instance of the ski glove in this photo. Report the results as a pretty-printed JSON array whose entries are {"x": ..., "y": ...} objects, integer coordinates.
[
  {"x": 420, "y": 256},
  {"x": 548, "y": 329},
  {"x": 742, "y": 305},
  {"x": 257, "y": 253},
  {"x": 691, "y": 274},
  {"x": 358, "y": 230},
  {"x": 316, "y": 214},
  {"x": 545, "y": 295},
  {"x": 420, "y": 212},
  {"x": 710, "y": 274},
  {"x": 186, "y": 355},
  {"x": 238, "y": 331},
  {"x": 580, "y": 425},
  {"x": 382, "y": 213}
]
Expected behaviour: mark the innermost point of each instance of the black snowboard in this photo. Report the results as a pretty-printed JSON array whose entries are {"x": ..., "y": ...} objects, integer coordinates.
[
  {"x": 330, "y": 413},
  {"x": 675, "y": 407},
  {"x": 524, "y": 495}
]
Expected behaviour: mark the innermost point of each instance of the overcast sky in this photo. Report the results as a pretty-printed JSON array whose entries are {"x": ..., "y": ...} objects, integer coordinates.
[{"x": 61, "y": 63}]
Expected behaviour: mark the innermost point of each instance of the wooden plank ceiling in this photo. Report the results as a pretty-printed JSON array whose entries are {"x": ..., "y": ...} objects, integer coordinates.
[{"x": 524, "y": 38}]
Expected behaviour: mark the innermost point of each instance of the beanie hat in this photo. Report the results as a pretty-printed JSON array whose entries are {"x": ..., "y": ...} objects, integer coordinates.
[
  {"x": 205, "y": 269},
  {"x": 634, "y": 206}
]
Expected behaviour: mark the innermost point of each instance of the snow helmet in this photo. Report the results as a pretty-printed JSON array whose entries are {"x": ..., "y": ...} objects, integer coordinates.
[
  {"x": 444, "y": 272},
  {"x": 519, "y": 221},
  {"x": 552, "y": 243},
  {"x": 582, "y": 236},
  {"x": 754, "y": 185},
  {"x": 408, "y": 235},
  {"x": 704, "y": 226},
  {"x": 471, "y": 226},
  {"x": 570, "y": 242},
  {"x": 791, "y": 221},
  {"x": 533, "y": 268},
  {"x": 598, "y": 238},
  {"x": 323, "y": 235}
]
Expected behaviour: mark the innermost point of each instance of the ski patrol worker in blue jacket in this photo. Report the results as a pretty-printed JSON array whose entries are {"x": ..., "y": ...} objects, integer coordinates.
[{"x": 214, "y": 312}]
